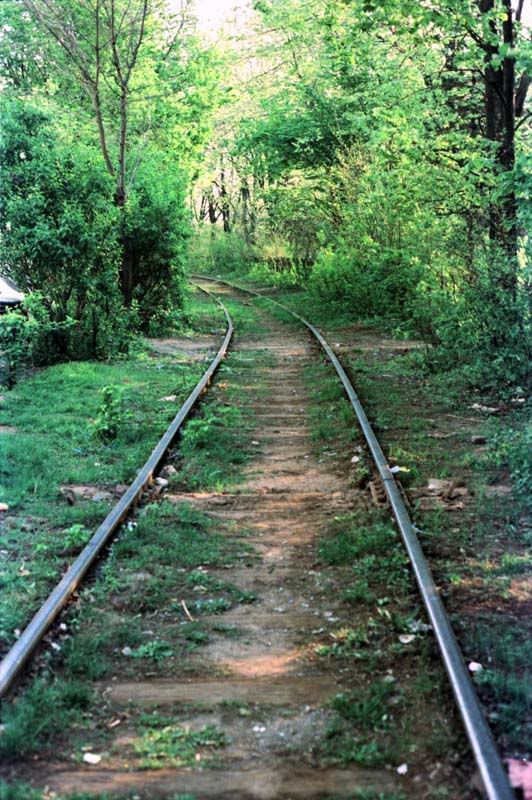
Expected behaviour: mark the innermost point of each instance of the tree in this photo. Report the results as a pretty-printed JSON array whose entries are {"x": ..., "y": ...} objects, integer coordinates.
[{"x": 58, "y": 238}]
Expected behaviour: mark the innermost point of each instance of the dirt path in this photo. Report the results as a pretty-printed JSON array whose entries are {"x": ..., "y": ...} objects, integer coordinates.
[{"x": 266, "y": 689}]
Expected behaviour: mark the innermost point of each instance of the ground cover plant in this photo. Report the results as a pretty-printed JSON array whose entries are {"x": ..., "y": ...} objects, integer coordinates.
[
  {"x": 477, "y": 541},
  {"x": 158, "y": 565},
  {"x": 75, "y": 435}
]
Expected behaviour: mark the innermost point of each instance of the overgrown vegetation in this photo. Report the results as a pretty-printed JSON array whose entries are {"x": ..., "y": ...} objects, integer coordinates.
[
  {"x": 75, "y": 435},
  {"x": 478, "y": 547},
  {"x": 381, "y": 161},
  {"x": 160, "y": 563}
]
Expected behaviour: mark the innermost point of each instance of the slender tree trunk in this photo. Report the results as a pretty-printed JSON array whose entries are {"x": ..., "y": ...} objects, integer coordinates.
[
  {"x": 500, "y": 125},
  {"x": 224, "y": 203},
  {"x": 121, "y": 199}
]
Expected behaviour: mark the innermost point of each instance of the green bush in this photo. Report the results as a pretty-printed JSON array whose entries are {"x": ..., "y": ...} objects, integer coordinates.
[
  {"x": 158, "y": 230},
  {"x": 59, "y": 225},
  {"x": 213, "y": 251},
  {"x": 112, "y": 414},
  {"x": 28, "y": 335},
  {"x": 512, "y": 448}
]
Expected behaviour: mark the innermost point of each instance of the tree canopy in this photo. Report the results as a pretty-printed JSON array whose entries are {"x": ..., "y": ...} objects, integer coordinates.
[{"x": 376, "y": 153}]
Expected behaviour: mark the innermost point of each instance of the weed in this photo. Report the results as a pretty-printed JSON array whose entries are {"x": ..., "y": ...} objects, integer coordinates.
[
  {"x": 214, "y": 446},
  {"x": 194, "y": 633},
  {"x": 359, "y": 592},
  {"x": 347, "y": 643},
  {"x": 75, "y": 537},
  {"x": 55, "y": 446},
  {"x": 231, "y": 631},
  {"x": 176, "y": 746},
  {"x": 155, "y": 650},
  {"x": 366, "y": 710},
  {"x": 355, "y": 541},
  {"x": 212, "y": 605},
  {"x": 112, "y": 416}
]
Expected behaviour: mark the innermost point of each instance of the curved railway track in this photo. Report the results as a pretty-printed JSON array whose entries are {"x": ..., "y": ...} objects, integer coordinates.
[{"x": 490, "y": 767}]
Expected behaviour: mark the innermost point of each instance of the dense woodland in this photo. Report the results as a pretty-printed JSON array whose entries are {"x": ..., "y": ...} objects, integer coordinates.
[{"x": 375, "y": 154}]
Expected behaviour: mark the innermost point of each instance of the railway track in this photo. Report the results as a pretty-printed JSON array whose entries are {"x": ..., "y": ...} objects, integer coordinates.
[{"x": 288, "y": 495}]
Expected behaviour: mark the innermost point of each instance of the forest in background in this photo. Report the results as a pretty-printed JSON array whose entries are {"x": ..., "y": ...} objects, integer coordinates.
[
  {"x": 379, "y": 155},
  {"x": 375, "y": 154}
]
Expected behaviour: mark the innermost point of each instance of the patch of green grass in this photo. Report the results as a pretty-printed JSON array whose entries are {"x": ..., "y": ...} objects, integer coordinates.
[
  {"x": 506, "y": 680},
  {"x": 359, "y": 592},
  {"x": 176, "y": 746},
  {"x": 152, "y": 567},
  {"x": 194, "y": 633},
  {"x": 231, "y": 631},
  {"x": 203, "y": 582},
  {"x": 40, "y": 714},
  {"x": 346, "y": 643},
  {"x": 353, "y": 539},
  {"x": 212, "y": 605},
  {"x": 211, "y": 452},
  {"x": 367, "y": 709},
  {"x": 371, "y": 548},
  {"x": 155, "y": 650},
  {"x": 20, "y": 791},
  {"x": 331, "y": 416},
  {"x": 348, "y": 738},
  {"x": 54, "y": 412}
]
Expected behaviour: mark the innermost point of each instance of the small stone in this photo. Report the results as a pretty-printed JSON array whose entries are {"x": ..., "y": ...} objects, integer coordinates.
[
  {"x": 91, "y": 758},
  {"x": 126, "y": 651},
  {"x": 162, "y": 482},
  {"x": 170, "y": 398},
  {"x": 478, "y": 440},
  {"x": 168, "y": 471},
  {"x": 4, "y": 507},
  {"x": 474, "y": 666},
  {"x": 402, "y": 769},
  {"x": 407, "y": 638},
  {"x": 355, "y": 459}
]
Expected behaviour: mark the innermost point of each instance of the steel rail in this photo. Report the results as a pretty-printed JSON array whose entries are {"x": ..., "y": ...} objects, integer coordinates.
[
  {"x": 23, "y": 648},
  {"x": 489, "y": 763}
]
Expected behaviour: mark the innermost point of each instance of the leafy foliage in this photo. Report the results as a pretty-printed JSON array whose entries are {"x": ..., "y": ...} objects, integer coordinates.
[{"x": 372, "y": 163}]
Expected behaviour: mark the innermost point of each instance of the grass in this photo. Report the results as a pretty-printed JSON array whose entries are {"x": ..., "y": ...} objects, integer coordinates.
[
  {"x": 159, "y": 564},
  {"x": 57, "y": 413},
  {"x": 153, "y": 567},
  {"x": 20, "y": 791},
  {"x": 165, "y": 743},
  {"x": 216, "y": 444},
  {"x": 505, "y": 683},
  {"x": 41, "y": 714}
]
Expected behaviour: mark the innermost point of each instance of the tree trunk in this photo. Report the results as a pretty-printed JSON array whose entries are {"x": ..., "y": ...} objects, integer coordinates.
[
  {"x": 500, "y": 126},
  {"x": 224, "y": 203}
]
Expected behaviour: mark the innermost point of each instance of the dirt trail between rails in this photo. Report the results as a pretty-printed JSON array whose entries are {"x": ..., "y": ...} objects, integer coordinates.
[{"x": 267, "y": 689}]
